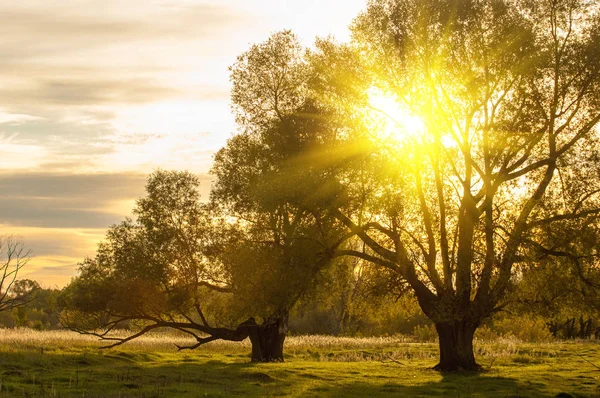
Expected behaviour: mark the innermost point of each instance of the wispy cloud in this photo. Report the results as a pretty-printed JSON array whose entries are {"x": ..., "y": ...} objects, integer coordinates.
[
  {"x": 20, "y": 155},
  {"x": 85, "y": 92},
  {"x": 45, "y": 28},
  {"x": 71, "y": 201},
  {"x": 70, "y": 72},
  {"x": 65, "y": 201}
]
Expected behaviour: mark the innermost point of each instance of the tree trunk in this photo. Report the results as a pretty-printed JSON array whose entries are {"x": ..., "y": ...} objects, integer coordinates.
[
  {"x": 585, "y": 328},
  {"x": 554, "y": 327},
  {"x": 456, "y": 346},
  {"x": 570, "y": 328},
  {"x": 267, "y": 340}
]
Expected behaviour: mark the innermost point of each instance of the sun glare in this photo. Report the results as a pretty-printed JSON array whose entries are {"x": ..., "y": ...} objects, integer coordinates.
[{"x": 396, "y": 122}]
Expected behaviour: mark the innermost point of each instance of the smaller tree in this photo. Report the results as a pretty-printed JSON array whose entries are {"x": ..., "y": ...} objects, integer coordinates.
[
  {"x": 14, "y": 256},
  {"x": 158, "y": 270},
  {"x": 184, "y": 265}
]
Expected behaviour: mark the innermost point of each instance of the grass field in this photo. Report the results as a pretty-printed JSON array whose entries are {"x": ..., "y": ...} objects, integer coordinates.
[{"x": 65, "y": 364}]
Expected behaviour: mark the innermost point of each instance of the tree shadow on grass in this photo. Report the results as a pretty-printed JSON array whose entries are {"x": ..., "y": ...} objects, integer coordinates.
[
  {"x": 462, "y": 385},
  {"x": 140, "y": 374},
  {"x": 131, "y": 374}
]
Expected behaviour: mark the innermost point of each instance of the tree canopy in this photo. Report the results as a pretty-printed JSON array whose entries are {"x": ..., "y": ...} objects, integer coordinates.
[
  {"x": 156, "y": 270},
  {"x": 494, "y": 138}
]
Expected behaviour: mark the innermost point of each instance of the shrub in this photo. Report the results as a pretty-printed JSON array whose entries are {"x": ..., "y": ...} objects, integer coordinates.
[
  {"x": 485, "y": 333},
  {"x": 425, "y": 333},
  {"x": 531, "y": 329}
]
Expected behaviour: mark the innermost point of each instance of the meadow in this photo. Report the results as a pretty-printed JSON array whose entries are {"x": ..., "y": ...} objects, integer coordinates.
[{"x": 66, "y": 364}]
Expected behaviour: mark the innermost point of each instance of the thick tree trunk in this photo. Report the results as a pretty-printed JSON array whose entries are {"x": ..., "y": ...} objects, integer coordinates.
[
  {"x": 267, "y": 340},
  {"x": 456, "y": 346}
]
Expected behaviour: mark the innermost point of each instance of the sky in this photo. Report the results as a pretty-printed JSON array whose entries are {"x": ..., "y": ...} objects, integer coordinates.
[{"x": 96, "y": 94}]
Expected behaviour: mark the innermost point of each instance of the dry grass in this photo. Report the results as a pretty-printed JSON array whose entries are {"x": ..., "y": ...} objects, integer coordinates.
[
  {"x": 348, "y": 349},
  {"x": 24, "y": 338}
]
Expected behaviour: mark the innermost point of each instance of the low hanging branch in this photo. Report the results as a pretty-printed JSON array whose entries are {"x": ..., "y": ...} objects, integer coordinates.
[{"x": 196, "y": 330}]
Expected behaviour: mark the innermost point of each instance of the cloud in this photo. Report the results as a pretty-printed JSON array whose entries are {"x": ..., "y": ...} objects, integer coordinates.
[
  {"x": 67, "y": 269},
  {"x": 51, "y": 271},
  {"x": 43, "y": 29},
  {"x": 20, "y": 155},
  {"x": 168, "y": 134},
  {"x": 71, "y": 201},
  {"x": 89, "y": 59},
  {"x": 65, "y": 201},
  {"x": 54, "y": 138},
  {"x": 53, "y": 242},
  {"x": 85, "y": 92},
  {"x": 15, "y": 118},
  {"x": 52, "y": 212},
  {"x": 89, "y": 187},
  {"x": 69, "y": 71}
]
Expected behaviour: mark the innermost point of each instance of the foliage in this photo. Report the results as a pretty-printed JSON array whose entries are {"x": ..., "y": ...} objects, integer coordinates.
[
  {"x": 426, "y": 333},
  {"x": 271, "y": 182},
  {"x": 524, "y": 328},
  {"x": 563, "y": 291},
  {"x": 268, "y": 81},
  {"x": 353, "y": 300},
  {"x": 42, "y": 311},
  {"x": 156, "y": 270}
]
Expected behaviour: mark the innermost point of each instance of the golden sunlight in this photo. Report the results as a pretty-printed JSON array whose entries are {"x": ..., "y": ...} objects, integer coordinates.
[{"x": 396, "y": 122}]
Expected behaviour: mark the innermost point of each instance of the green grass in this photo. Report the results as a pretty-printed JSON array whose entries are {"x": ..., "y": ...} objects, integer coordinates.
[{"x": 62, "y": 364}]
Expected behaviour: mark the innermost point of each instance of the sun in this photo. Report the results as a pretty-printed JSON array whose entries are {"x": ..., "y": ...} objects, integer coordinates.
[{"x": 394, "y": 121}]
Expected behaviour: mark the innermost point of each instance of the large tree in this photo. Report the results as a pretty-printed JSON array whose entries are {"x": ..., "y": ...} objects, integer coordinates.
[
  {"x": 263, "y": 238},
  {"x": 492, "y": 139},
  {"x": 268, "y": 181}
]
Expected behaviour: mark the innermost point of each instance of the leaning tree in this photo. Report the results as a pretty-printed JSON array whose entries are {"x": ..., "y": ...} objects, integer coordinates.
[
  {"x": 182, "y": 264},
  {"x": 487, "y": 137},
  {"x": 161, "y": 269},
  {"x": 185, "y": 265}
]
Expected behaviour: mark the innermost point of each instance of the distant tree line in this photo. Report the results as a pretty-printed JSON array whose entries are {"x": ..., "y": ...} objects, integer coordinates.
[{"x": 347, "y": 303}]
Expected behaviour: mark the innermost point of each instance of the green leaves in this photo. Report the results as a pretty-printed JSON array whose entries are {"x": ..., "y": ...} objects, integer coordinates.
[
  {"x": 268, "y": 81},
  {"x": 153, "y": 265}
]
